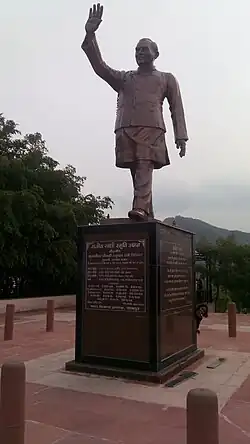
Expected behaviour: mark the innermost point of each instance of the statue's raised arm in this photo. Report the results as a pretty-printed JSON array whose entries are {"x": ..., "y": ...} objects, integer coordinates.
[{"x": 90, "y": 46}]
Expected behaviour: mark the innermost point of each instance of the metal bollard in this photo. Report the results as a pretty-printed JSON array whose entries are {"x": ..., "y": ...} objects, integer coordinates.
[
  {"x": 202, "y": 417},
  {"x": 231, "y": 311},
  {"x": 9, "y": 322},
  {"x": 50, "y": 315},
  {"x": 12, "y": 403}
]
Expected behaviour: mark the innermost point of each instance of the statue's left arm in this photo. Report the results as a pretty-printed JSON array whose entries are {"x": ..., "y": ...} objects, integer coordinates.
[{"x": 173, "y": 96}]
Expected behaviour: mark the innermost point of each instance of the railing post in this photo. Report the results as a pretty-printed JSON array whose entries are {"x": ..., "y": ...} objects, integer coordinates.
[
  {"x": 12, "y": 403},
  {"x": 232, "y": 328},
  {"x": 9, "y": 322},
  {"x": 202, "y": 417},
  {"x": 50, "y": 315}
]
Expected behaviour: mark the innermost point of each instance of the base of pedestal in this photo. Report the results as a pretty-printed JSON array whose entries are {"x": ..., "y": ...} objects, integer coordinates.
[{"x": 136, "y": 375}]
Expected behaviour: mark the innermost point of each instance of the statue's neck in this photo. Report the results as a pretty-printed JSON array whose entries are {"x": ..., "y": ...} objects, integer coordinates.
[{"x": 146, "y": 68}]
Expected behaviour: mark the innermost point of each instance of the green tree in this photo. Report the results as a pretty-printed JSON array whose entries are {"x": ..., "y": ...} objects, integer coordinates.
[
  {"x": 228, "y": 269},
  {"x": 40, "y": 208},
  {"x": 209, "y": 253}
]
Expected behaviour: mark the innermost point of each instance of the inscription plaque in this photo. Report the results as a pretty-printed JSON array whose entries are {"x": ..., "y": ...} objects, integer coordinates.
[
  {"x": 176, "y": 269},
  {"x": 115, "y": 275}
]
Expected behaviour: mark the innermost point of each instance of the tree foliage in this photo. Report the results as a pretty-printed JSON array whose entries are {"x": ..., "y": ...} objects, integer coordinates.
[
  {"x": 228, "y": 268},
  {"x": 41, "y": 205}
]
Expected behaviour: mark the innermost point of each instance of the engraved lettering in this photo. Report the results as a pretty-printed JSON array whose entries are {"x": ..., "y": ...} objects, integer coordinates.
[
  {"x": 176, "y": 271},
  {"x": 115, "y": 276}
]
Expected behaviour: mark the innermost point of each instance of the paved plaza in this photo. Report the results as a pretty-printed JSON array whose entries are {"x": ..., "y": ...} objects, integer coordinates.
[{"x": 76, "y": 409}]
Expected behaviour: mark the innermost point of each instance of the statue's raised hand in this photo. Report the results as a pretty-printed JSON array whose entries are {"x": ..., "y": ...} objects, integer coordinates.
[{"x": 95, "y": 18}]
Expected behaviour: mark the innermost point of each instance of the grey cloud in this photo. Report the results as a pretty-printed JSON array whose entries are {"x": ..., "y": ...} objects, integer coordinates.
[{"x": 224, "y": 204}]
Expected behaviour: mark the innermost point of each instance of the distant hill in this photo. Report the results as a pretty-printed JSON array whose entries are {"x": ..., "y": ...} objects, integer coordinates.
[{"x": 204, "y": 230}]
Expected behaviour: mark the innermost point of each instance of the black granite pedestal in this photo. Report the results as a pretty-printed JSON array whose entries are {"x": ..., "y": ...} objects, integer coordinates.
[{"x": 135, "y": 302}]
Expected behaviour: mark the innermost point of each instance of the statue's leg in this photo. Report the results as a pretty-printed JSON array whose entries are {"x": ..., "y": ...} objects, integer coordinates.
[
  {"x": 151, "y": 209},
  {"x": 133, "y": 171},
  {"x": 142, "y": 174}
]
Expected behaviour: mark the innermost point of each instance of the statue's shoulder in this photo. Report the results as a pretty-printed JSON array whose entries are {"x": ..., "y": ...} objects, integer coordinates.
[
  {"x": 169, "y": 79},
  {"x": 128, "y": 76},
  {"x": 134, "y": 73},
  {"x": 130, "y": 73},
  {"x": 167, "y": 75},
  {"x": 170, "y": 76},
  {"x": 160, "y": 74}
]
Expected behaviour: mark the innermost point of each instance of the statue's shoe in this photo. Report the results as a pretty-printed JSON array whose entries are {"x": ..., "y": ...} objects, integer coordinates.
[{"x": 138, "y": 215}]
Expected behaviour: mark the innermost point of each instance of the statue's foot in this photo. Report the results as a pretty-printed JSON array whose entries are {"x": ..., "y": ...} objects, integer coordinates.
[{"x": 138, "y": 215}]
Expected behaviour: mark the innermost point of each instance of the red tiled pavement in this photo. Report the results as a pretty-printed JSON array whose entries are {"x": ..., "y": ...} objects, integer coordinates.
[
  {"x": 88, "y": 418},
  {"x": 237, "y": 410},
  {"x": 219, "y": 340},
  {"x": 31, "y": 340},
  {"x": 221, "y": 318},
  {"x": 56, "y": 415},
  {"x": 103, "y": 417}
]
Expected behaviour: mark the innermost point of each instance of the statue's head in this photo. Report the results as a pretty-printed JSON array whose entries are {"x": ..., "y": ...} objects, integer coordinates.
[{"x": 146, "y": 51}]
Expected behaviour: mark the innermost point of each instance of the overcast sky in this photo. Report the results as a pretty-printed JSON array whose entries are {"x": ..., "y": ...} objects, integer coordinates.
[{"x": 47, "y": 85}]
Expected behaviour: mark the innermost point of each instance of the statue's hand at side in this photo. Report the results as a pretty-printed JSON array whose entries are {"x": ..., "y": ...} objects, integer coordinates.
[
  {"x": 181, "y": 145},
  {"x": 95, "y": 18}
]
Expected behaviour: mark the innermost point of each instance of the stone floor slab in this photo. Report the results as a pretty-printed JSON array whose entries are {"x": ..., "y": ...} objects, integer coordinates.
[
  {"x": 107, "y": 418},
  {"x": 76, "y": 409},
  {"x": 38, "y": 433},
  {"x": 96, "y": 418},
  {"x": 231, "y": 434},
  {"x": 238, "y": 413},
  {"x": 224, "y": 380}
]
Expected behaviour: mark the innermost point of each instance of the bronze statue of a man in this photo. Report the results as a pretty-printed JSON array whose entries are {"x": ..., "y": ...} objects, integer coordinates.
[{"x": 139, "y": 128}]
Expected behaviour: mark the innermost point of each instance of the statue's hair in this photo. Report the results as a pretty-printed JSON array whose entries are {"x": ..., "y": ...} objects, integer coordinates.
[{"x": 153, "y": 45}]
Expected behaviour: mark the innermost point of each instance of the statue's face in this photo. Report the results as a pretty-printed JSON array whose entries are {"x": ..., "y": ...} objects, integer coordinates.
[{"x": 144, "y": 52}]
